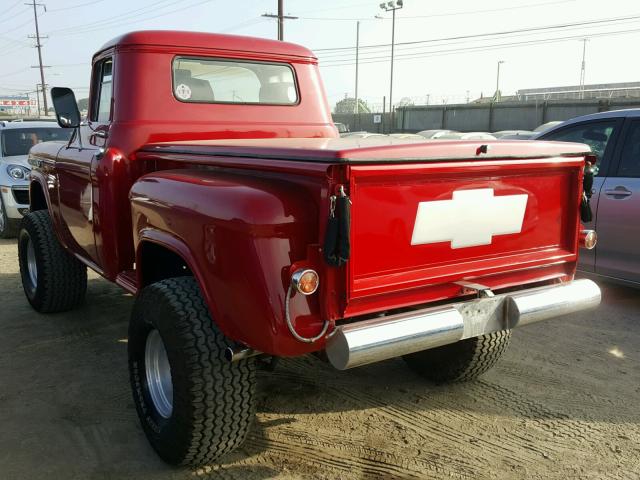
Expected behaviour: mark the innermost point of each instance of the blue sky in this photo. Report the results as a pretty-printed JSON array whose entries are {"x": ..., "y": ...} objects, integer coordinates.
[{"x": 446, "y": 70}]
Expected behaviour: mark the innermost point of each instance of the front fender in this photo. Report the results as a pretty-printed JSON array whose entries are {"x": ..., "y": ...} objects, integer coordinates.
[{"x": 239, "y": 234}]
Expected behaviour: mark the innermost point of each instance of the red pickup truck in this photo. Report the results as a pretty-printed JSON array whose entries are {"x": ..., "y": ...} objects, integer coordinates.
[{"x": 210, "y": 182}]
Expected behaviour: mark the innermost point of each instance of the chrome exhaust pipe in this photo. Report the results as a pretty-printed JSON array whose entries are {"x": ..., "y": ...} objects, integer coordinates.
[{"x": 370, "y": 341}]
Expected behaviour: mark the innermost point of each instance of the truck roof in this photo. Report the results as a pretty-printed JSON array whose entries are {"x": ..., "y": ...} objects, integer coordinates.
[
  {"x": 378, "y": 149},
  {"x": 217, "y": 41}
]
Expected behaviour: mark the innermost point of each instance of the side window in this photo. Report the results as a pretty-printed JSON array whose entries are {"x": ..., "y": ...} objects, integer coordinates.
[
  {"x": 594, "y": 134},
  {"x": 630, "y": 155},
  {"x": 102, "y": 103}
]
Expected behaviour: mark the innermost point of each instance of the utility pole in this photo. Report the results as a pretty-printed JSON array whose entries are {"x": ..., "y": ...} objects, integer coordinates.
[
  {"x": 39, "y": 47},
  {"x": 583, "y": 67},
  {"x": 38, "y": 98},
  {"x": 281, "y": 18},
  {"x": 392, "y": 7},
  {"x": 357, "y": 109},
  {"x": 500, "y": 62}
]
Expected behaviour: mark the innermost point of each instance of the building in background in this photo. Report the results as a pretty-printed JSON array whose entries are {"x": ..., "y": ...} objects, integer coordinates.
[
  {"x": 576, "y": 92},
  {"x": 17, "y": 105}
]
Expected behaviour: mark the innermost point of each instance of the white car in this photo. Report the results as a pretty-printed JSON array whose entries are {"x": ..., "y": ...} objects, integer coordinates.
[
  {"x": 466, "y": 136},
  {"x": 433, "y": 134},
  {"x": 16, "y": 139}
]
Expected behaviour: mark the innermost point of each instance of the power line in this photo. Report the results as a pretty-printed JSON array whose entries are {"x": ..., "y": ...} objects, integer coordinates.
[
  {"x": 344, "y": 56},
  {"x": 500, "y": 33},
  {"x": 6, "y": 19},
  {"x": 14, "y": 72},
  {"x": 17, "y": 27},
  {"x": 136, "y": 12},
  {"x": 77, "y": 5},
  {"x": 11, "y": 7},
  {"x": 242, "y": 25},
  {"x": 437, "y": 53},
  {"x": 437, "y": 15},
  {"x": 116, "y": 21}
]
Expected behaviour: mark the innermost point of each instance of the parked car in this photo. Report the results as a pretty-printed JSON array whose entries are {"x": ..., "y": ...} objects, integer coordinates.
[
  {"x": 615, "y": 139},
  {"x": 16, "y": 138},
  {"x": 411, "y": 136},
  {"x": 466, "y": 136},
  {"x": 513, "y": 134},
  {"x": 546, "y": 126},
  {"x": 247, "y": 230},
  {"x": 434, "y": 133},
  {"x": 362, "y": 135}
]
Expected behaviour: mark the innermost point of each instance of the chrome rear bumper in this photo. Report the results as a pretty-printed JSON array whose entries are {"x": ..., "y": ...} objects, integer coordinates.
[{"x": 378, "y": 339}]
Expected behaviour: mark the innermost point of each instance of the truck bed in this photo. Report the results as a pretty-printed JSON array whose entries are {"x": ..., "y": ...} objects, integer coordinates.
[{"x": 426, "y": 215}]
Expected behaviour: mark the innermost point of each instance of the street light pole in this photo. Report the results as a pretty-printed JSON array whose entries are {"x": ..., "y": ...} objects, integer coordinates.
[
  {"x": 392, "y": 7},
  {"x": 500, "y": 62},
  {"x": 583, "y": 67}
]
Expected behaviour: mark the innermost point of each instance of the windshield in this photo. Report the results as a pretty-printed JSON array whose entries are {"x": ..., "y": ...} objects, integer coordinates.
[{"x": 18, "y": 141}]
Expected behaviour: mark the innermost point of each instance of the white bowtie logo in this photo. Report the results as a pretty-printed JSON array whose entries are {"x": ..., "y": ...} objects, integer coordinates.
[{"x": 470, "y": 218}]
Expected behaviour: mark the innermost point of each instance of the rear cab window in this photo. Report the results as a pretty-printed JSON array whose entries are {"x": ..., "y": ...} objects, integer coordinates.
[{"x": 216, "y": 80}]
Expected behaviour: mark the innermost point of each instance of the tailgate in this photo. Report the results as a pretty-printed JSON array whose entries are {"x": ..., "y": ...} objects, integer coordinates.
[{"x": 418, "y": 228}]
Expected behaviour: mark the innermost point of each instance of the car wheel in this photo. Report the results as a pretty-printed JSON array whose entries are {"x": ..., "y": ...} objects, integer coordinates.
[
  {"x": 193, "y": 404},
  {"x": 53, "y": 280}
]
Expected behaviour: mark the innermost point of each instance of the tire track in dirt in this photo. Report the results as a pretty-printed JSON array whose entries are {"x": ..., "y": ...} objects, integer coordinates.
[
  {"x": 346, "y": 458},
  {"x": 432, "y": 426}
]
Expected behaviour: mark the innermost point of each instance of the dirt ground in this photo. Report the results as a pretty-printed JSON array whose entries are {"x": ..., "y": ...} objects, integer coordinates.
[{"x": 563, "y": 403}]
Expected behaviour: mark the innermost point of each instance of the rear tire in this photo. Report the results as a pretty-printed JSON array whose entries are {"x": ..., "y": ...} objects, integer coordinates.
[
  {"x": 461, "y": 361},
  {"x": 193, "y": 404},
  {"x": 53, "y": 280}
]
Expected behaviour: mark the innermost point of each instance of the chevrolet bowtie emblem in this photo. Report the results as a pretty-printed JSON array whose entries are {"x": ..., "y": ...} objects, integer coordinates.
[{"x": 470, "y": 218}]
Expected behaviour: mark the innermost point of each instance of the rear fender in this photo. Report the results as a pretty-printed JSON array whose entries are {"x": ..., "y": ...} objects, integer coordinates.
[{"x": 239, "y": 235}]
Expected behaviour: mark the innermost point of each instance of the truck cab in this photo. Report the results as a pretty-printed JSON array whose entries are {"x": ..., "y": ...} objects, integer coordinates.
[{"x": 210, "y": 182}]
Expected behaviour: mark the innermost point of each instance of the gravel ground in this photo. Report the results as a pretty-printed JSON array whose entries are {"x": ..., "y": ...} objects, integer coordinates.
[{"x": 562, "y": 403}]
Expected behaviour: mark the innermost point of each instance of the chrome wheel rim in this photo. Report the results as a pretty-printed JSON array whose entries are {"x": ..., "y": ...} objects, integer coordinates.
[
  {"x": 158, "y": 374},
  {"x": 32, "y": 266}
]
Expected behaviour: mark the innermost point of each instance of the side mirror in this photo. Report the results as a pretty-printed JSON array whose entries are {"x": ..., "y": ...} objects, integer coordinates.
[{"x": 64, "y": 103}]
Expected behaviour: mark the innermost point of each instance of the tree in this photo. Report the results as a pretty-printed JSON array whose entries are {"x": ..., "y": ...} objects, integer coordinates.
[
  {"x": 83, "y": 104},
  {"x": 404, "y": 102},
  {"x": 348, "y": 105}
]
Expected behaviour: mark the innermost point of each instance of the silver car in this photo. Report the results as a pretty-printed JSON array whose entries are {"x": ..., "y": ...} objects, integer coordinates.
[
  {"x": 16, "y": 138},
  {"x": 615, "y": 139}
]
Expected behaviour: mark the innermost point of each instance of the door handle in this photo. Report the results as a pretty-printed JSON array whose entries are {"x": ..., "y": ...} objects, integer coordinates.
[{"x": 619, "y": 192}]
